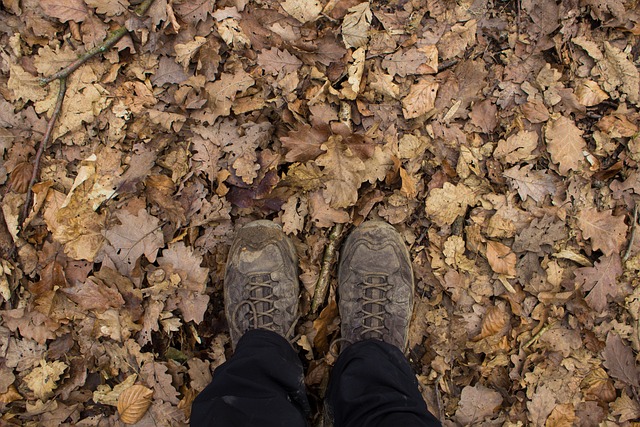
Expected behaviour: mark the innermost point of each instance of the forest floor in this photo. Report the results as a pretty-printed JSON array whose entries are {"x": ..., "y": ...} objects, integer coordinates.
[{"x": 501, "y": 138}]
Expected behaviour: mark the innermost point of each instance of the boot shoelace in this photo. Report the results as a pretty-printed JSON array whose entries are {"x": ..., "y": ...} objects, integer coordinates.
[
  {"x": 375, "y": 300},
  {"x": 261, "y": 304}
]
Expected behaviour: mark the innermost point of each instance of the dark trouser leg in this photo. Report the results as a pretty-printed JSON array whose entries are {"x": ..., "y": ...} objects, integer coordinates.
[
  {"x": 261, "y": 385},
  {"x": 373, "y": 385}
]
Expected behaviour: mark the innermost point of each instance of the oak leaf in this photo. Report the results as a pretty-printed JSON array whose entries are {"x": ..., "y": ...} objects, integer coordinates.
[
  {"x": 68, "y": 10},
  {"x": 42, "y": 380},
  {"x": 356, "y": 24},
  {"x": 133, "y": 403},
  {"x": 223, "y": 92},
  {"x": 186, "y": 51},
  {"x": 618, "y": 71},
  {"x": 109, "y": 7},
  {"x": 607, "y": 232},
  {"x": 155, "y": 375},
  {"x": 518, "y": 147},
  {"x": 476, "y": 404},
  {"x": 600, "y": 281},
  {"x": 420, "y": 100},
  {"x": 446, "y": 204},
  {"x": 627, "y": 408},
  {"x": 536, "y": 184},
  {"x": 344, "y": 171},
  {"x": 563, "y": 415},
  {"x": 94, "y": 294},
  {"x": 304, "y": 143},
  {"x": 24, "y": 86},
  {"x": 194, "y": 11},
  {"x": 565, "y": 144},
  {"x": 415, "y": 60},
  {"x": 274, "y": 60},
  {"x": 136, "y": 235},
  {"x": 541, "y": 405}
]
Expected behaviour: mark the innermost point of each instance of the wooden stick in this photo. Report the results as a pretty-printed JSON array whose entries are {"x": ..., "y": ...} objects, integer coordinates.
[
  {"x": 633, "y": 233},
  {"x": 110, "y": 41},
  {"x": 322, "y": 285},
  {"x": 43, "y": 145}
]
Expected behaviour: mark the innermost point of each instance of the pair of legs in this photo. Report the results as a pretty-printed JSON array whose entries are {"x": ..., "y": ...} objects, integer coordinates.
[{"x": 262, "y": 384}]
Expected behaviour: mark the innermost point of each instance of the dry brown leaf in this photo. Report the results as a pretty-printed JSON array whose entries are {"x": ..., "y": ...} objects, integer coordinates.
[
  {"x": 421, "y": 99},
  {"x": 68, "y": 10},
  {"x": 356, "y": 24},
  {"x": 43, "y": 379},
  {"x": 501, "y": 259},
  {"x": 626, "y": 408},
  {"x": 11, "y": 395},
  {"x": 600, "y": 281},
  {"x": 303, "y": 10},
  {"x": 493, "y": 322},
  {"x": 445, "y": 204},
  {"x": 563, "y": 415},
  {"x": 607, "y": 232},
  {"x": 536, "y": 184},
  {"x": 598, "y": 386},
  {"x": 518, "y": 147},
  {"x": 133, "y": 403},
  {"x": 476, "y": 404},
  {"x": 619, "y": 360},
  {"x": 415, "y": 60},
  {"x": 565, "y": 144}
]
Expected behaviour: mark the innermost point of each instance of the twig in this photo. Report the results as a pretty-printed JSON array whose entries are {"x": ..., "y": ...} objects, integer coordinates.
[
  {"x": 627, "y": 253},
  {"x": 544, "y": 329},
  {"x": 43, "y": 145},
  {"x": 322, "y": 285},
  {"x": 110, "y": 41}
]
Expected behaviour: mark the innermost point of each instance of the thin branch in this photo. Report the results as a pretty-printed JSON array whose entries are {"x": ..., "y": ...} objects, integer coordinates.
[
  {"x": 322, "y": 285},
  {"x": 43, "y": 145},
  {"x": 544, "y": 329},
  {"x": 627, "y": 253},
  {"x": 109, "y": 42}
]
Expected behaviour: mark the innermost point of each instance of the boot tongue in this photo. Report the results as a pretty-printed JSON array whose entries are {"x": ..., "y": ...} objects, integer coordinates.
[
  {"x": 370, "y": 261},
  {"x": 266, "y": 260}
]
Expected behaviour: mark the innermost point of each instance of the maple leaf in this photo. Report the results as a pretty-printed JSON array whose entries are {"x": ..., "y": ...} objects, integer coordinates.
[
  {"x": 536, "y": 184},
  {"x": 344, "y": 171},
  {"x": 619, "y": 360},
  {"x": 607, "y": 232},
  {"x": 565, "y": 144},
  {"x": 600, "y": 280},
  {"x": 356, "y": 24},
  {"x": 136, "y": 235},
  {"x": 68, "y": 10},
  {"x": 421, "y": 99}
]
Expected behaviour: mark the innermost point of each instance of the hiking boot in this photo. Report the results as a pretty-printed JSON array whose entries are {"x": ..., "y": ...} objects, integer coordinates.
[
  {"x": 261, "y": 281},
  {"x": 375, "y": 285}
]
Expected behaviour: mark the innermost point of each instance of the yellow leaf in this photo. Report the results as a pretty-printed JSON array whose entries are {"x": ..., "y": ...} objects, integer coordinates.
[{"x": 42, "y": 380}]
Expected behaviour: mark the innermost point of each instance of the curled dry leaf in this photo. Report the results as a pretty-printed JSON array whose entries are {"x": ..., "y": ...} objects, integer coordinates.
[
  {"x": 493, "y": 322},
  {"x": 501, "y": 259},
  {"x": 133, "y": 403}
]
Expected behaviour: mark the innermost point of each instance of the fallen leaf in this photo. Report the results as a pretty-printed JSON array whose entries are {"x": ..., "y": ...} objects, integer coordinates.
[
  {"x": 626, "y": 408},
  {"x": 69, "y": 10},
  {"x": 501, "y": 259},
  {"x": 43, "y": 379},
  {"x": 607, "y": 232},
  {"x": 565, "y": 144},
  {"x": 620, "y": 362},
  {"x": 518, "y": 147},
  {"x": 133, "y": 403},
  {"x": 420, "y": 100},
  {"x": 446, "y": 204},
  {"x": 356, "y": 24},
  {"x": 303, "y": 10},
  {"x": 422, "y": 60},
  {"x": 536, "y": 184},
  {"x": 477, "y": 403},
  {"x": 274, "y": 61},
  {"x": 600, "y": 281}
]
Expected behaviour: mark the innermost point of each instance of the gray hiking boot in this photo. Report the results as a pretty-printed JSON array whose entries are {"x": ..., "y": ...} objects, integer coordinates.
[
  {"x": 261, "y": 281},
  {"x": 375, "y": 285}
]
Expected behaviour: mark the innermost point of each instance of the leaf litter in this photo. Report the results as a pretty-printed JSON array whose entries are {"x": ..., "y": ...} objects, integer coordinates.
[{"x": 500, "y": 138}]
